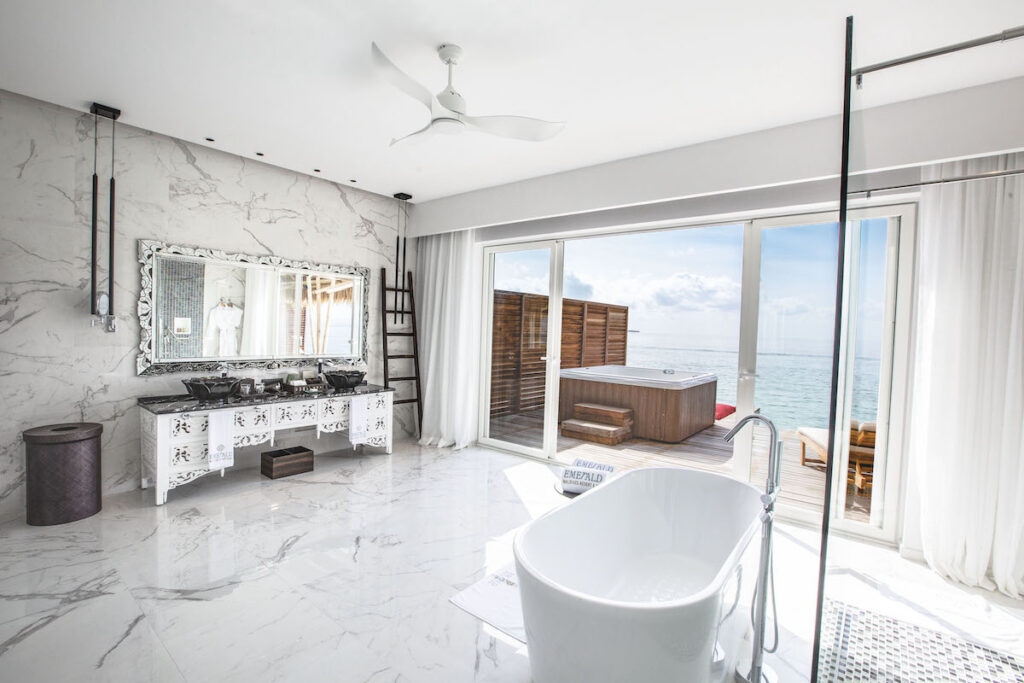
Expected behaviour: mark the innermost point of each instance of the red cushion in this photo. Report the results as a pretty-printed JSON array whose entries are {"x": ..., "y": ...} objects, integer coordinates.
[{"x": 722, "y": 410}]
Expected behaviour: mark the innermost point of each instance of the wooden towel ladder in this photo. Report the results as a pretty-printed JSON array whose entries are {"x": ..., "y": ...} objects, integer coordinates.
[{"x": 398, "y": 309}]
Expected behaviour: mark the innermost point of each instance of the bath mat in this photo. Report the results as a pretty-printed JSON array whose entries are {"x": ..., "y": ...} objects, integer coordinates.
[
  {"x": 859, "y": 645},
  {"x": 495, "y": 600}
]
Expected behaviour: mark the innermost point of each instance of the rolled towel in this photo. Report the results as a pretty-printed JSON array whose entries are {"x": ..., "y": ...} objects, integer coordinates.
[
  {"x": 577, "y": 479},
  {"x": 590, "y": 464}
]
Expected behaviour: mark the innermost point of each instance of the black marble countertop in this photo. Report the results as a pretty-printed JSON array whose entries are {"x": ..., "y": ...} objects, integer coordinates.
[{"x": 183, "y": 403}]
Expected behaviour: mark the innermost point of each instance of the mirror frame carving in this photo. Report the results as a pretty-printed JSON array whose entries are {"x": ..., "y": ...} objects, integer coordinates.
[{"x": 146, "y": 363}]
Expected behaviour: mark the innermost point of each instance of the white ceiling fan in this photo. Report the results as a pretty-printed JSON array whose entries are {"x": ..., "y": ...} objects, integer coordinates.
[{"x": 448, "y": 108}]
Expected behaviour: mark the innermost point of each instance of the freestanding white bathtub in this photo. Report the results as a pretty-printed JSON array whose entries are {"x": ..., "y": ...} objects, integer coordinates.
[{"x": 649, "y": 577}]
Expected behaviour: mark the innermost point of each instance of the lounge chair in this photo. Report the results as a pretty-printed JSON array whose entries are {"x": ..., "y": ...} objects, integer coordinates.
[{"x": 862, "y": 451}]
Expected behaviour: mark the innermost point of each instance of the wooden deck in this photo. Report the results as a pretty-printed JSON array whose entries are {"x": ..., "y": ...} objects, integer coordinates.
[{"x": 803, "y": 486}]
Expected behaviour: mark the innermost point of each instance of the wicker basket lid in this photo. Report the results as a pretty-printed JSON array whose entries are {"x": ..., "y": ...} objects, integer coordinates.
[{"x": 63, "y": 433}]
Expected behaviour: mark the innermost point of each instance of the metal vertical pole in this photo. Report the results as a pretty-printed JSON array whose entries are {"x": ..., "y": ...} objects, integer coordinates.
[{"x": 844, "y": 178}]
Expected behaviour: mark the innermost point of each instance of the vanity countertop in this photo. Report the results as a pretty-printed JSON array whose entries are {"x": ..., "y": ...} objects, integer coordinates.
[{"x": 183, "y": 403}]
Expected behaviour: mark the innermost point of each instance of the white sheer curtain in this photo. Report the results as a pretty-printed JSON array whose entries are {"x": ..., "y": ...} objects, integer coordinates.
[
  {"x": 257, "y": 325},
  {"x": 966, "y": 437},
  {"x": 448, "y": 303}
]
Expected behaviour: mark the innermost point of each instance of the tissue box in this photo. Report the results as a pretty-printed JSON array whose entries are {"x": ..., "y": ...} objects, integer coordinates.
[{"x": 286, "y": 462}]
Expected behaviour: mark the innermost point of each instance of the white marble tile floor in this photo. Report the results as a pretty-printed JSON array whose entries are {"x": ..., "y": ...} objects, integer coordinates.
[
  {"x": 341, "y": 574},
  {"x": 345, "y": 574}
]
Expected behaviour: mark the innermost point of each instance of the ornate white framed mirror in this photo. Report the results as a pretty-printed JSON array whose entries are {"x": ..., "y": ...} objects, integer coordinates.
[{"x": 206, "y": 309}]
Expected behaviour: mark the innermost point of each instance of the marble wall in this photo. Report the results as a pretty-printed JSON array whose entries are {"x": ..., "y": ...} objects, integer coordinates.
[{"x": 55, "y": 366}]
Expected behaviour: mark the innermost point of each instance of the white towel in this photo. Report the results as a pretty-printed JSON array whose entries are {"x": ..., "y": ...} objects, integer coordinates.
[
  {"x": 577, "y": 479},
  {"x": 220, "y": 435},
  {"x": 495, "y": 599},
  {"x": 357, "y": 409}
]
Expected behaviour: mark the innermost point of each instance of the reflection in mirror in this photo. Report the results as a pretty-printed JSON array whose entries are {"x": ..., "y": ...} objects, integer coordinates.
[
  {"x": 199, "y": 308},
  {"x": 257, "y": 338},
  {"x": 318, "y": 314}
]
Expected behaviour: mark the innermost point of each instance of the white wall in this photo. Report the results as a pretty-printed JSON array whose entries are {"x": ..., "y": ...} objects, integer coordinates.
[
  {"x": 55, "y": 367},
  {"x": 970, "y": 122}
]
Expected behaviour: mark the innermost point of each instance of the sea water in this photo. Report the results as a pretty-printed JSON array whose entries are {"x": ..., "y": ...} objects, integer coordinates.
[{"x": 791, "y": 389}]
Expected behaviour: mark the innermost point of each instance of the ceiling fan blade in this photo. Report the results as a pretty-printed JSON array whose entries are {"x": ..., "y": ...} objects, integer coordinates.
[
  {"x": 518, "y": 127},
  {"x": 419, "y": 132},
  {"x": 398, "y": 78}
]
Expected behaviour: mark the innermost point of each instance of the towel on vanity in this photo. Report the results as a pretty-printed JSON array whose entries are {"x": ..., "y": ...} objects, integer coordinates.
[
  {"x": 584, "y": 475},
  {"x": 357, "y": 409},
  {"x": 220, "y": 435}
]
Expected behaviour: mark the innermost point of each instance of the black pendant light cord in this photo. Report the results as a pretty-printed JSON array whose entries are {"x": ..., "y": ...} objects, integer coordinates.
[
  {"x": 398, "y": 247},
  {"x": 405, "y": 243},
  {"x": 95, "y": 209}
]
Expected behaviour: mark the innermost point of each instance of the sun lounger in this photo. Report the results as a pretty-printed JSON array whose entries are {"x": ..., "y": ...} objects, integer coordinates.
[{"x": 862, "y": 451}]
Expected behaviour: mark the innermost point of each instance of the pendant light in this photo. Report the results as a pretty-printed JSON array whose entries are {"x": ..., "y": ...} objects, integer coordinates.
[
  {"x": 401, "y": 244},
  {"x": 102, "y": 304}
]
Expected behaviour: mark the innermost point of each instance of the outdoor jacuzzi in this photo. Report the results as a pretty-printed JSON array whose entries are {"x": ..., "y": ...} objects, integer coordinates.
[
  {"x": 649, "y": 577},
  {"x": 668, "y": 405}
]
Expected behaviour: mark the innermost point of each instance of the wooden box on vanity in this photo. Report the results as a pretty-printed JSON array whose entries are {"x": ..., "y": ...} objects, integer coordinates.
[{"x": 286, "y": 462}]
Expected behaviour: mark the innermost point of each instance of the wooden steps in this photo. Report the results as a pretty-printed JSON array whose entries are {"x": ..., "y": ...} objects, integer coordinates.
[
  {"x": 605, "y": 425},
  {"x": 593, "y": 412},
  {"x": 609, "y": 435}
]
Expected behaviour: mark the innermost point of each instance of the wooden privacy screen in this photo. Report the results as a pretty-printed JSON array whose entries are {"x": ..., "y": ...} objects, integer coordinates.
[{"x": 592, "y": 334}]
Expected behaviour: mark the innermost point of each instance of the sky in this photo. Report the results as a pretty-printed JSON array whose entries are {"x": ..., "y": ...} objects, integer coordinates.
[{"x": 683, "y": 286}]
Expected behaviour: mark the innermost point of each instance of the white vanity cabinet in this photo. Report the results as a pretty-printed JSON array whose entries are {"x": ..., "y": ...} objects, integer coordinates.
[{"x": 174, "y": 445}]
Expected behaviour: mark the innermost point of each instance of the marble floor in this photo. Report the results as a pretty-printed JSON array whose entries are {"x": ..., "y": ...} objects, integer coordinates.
[{"x": 341, "y": 574}]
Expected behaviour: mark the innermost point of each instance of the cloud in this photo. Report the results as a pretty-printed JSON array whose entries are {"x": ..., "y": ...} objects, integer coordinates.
[
  {"x": 680, "y": 292},
  {"x": 520, "y": 277},
  {"x": 787, "y": 305},
  {"x": 576, "y": 288}
]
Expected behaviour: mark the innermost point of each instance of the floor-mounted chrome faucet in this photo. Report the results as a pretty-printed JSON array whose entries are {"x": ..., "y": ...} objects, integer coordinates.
[{"x": 759, "y": 673}]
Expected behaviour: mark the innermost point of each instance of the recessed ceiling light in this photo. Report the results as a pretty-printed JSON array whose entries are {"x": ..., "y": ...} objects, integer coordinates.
[
  {"x": 209, "y": 139},
  {"x": 316, "y": 170},
  {"x": 259, "y": 154}
]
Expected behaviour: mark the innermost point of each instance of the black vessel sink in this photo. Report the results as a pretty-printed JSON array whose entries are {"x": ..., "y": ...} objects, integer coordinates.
[
  {"x": 344, "y": 379},
  {"x": 211, "y": 388}
]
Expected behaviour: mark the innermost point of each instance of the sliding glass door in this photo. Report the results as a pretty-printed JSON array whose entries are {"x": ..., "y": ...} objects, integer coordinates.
[
  {"x": 522, "y": 323},
  {"x": 786, "y": 353},
  {"x": 783, "y": 302},
  {"x": 786, "y": 346}
]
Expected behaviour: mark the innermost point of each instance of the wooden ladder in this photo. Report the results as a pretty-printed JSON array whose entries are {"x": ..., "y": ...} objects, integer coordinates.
[{"x": 386, "y": 334}]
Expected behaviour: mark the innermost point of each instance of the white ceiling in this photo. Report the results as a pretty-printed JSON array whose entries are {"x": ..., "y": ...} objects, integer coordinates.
[{"x": 293, "y": 80}]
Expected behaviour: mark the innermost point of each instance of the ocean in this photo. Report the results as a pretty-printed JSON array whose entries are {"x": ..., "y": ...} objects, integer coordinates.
[{"x": 791, "y": 389}]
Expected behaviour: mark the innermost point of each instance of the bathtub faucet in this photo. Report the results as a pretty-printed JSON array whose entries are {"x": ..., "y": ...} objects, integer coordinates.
[
  {"x": 774, "y": 450},
  {"x": 759, "y": 673}
]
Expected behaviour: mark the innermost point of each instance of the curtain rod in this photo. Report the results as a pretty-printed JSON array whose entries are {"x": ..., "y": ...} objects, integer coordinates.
[
  {"x": 1008, "y": 34},
  {"x": 940, "y": 181}
]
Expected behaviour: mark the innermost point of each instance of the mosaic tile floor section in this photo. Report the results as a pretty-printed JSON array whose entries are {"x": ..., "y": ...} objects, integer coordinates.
[{"x": 861, "y": 646}]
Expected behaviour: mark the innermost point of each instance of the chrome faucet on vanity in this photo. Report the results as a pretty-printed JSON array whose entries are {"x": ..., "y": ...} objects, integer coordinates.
[{"x": 759, "y": 673}]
